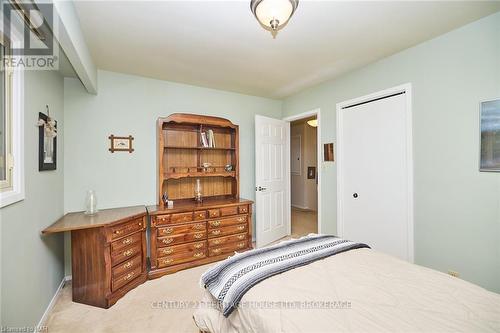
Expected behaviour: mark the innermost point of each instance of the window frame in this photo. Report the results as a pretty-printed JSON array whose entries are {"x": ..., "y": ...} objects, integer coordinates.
[{"x": 16, "y": 189}]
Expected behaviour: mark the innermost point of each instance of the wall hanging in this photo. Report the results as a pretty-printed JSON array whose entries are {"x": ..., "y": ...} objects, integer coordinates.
[
  {"x": 489, "y": 159},
  {"x": 47, "y": 141},
  {"x": 121, "y": 143}
]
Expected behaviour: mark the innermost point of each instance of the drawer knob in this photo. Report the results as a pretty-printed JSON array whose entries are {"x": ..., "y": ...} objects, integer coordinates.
[
  {"x": 215, "y": 223},
  {"x": 128, "y": 264},
  {"x": 127, "y": 241},
  {"x": 198, "y": 254},
  {"x": 216, "y": 251},
  {"x": 167, "y": 240},
  {"x": 128, "y": 276},
  {"x": 168, "y": 250},
  {"x": 169, "y": 230},
  {"x": 128, "y": 253},
  {"x": 216, "y": 232},
  {"x": 167, "y": 261},
  {"x": 201, "y": 215},
  {"x": 198, "y": 236},
  {"x": 241, "y": 245},
  {"x": 117, "y": 232},
  {"x": 241, "y": 227},
  {"x": 241, "y": 236},
  {"x": 198, "y": 245},
  {"x": 241, "y": 219},
  {"x": 198, "y": 226},
  {"x": 139, "y": 224},
  {"x": 216, "y": 241}
]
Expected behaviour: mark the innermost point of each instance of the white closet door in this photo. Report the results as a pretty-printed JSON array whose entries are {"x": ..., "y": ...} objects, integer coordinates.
[{"x": 374, "y": 171}]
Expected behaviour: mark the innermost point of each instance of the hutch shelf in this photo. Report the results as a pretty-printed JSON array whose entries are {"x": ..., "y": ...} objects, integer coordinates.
[{"x": 190, "y": 148}]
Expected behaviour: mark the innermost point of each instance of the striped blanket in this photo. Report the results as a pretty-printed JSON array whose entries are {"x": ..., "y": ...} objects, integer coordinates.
[{"x": 229, "y": 280}]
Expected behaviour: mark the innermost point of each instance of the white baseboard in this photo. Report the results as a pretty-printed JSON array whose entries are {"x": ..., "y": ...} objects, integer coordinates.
[{"x": 43, "y": 320}]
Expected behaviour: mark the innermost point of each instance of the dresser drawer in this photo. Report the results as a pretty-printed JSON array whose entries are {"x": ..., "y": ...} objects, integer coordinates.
[
  {"x": 243, "y": 209},
  {"x": 117, "y": 283},
  {"x": 162, "y": 219},
  {"x": 213, "y": 213},
  {"x": 181, "y": 258},
  {"x": 227, "y": 248},
  {"x": 227, "y": 239},
  {"x": 126, "y": 266},
  {"x": 126, "y": 253},
  {"x": 224, "y": 231},
  {"x": 181, "y": 217},
  {"x": 182, "y": 229},
  {"x": 226, "y": 211},
  {"x": 127, "y": 228},
  {"x": 183, "y": 248},
  {"x": 181, "y": 238},
  {"x": 227, "y": 221},
  {"x": 126, "y": 241},
  {"x": 200, "y": 215}
]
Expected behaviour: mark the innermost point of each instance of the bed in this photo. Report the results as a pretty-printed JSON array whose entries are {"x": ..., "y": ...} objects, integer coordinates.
[{"x": 360, "y": 290}]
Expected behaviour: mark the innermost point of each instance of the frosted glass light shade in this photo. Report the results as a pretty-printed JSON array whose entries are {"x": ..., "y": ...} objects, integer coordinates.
[
  {"x": 313, "y": 122},
  {"x": 273, "y": 14}
]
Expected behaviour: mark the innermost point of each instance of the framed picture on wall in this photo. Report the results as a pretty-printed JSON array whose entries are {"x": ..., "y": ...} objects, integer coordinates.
[
  {"x": 489, "y": 159},
  {"x": 47, "y": 143}
]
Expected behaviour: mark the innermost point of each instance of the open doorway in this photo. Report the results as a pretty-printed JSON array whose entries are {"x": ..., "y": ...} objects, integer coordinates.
[{"x": 304, "y": 173}]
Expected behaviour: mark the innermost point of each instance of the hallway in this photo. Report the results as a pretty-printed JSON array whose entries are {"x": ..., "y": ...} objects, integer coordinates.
[{"x": 304, "y": 222}]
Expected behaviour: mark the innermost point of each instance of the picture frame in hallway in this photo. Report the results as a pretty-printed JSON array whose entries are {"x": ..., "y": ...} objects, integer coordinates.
[
  {"x": 489, "y": 159},
  {"x": 311, "y": 172},
  {"x": 328, "y": 154}
]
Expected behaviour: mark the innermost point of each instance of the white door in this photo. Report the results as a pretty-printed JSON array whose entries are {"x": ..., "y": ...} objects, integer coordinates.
[
  {"x": 375, "y": 198},
  {"x": 272, "y": 180}
]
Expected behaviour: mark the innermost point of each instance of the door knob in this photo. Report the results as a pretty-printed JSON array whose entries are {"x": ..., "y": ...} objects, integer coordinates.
[
  {"x": 261, "y": 188},
  {"x": 355, "y": 195}
]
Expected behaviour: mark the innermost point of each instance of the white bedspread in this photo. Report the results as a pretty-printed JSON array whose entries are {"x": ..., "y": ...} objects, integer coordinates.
[{"x": 367, "y": 291}]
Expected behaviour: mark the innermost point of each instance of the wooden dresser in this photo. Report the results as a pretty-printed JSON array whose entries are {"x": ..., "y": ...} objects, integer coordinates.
[
  {"x": 108, "y": 253},
  {"x": 204, "y": 150},
  {"x": 193, "y": 234}
]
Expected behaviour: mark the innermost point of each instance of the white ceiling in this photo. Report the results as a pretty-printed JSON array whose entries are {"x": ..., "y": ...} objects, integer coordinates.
[{"x": 219, "y": 44}]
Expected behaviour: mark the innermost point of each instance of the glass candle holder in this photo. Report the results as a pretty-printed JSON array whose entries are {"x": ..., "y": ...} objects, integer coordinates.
[
  {"x": 198, "y": 196},
  {"x": 91, "y": 203}
]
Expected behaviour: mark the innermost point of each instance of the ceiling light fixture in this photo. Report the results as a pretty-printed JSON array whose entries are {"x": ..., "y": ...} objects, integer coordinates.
[
  {"x": 273, "y": 15},
  {"x": 313, "y": 122}
]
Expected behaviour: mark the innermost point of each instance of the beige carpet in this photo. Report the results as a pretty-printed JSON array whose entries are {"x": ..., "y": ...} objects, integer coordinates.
[
  {"x": 304, "y": 222},
  {"x": 135, "y": 312}
]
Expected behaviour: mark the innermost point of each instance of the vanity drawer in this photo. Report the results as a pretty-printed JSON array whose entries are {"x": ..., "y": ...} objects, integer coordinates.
[
  {"x": 126, "y": 266},
  {"x": 227, "y": 239},
  {"x": 117, "y": 283},
  {"x": 182, "y": 229},
  {"x": 213, "y": 213},
  {"x": 200, "y": 215},
  {"x": 126, "y": 241},
  {"x": 181, "y": 217},
  {"x": 243, "y": 209},
  {"x": 224, "y": 231},
  {"x": 162, "y": 219},
  {"x": 227, "y": 248},
  {"x": 226, "y": 211},
  {"x": 181, "y": 258},
  {"x": 178, "y": 249},
  {"x": 126, "y": 253},
  {"x": 181, "y": 238},
  {"x": 227, "y": 221},
  {"x": 126, "y": 228}
]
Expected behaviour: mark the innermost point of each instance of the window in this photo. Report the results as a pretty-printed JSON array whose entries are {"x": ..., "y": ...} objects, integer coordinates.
[
  {"x": 5, "y": 123},
  {"x": 11, "y": 127}
]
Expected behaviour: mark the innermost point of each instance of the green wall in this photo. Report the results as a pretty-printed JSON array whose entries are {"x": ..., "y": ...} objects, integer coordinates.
[
  {"x": 457, "y": 213},
  {"x": 130, "y": 105},
  {"x": 32, "y": 265}
]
